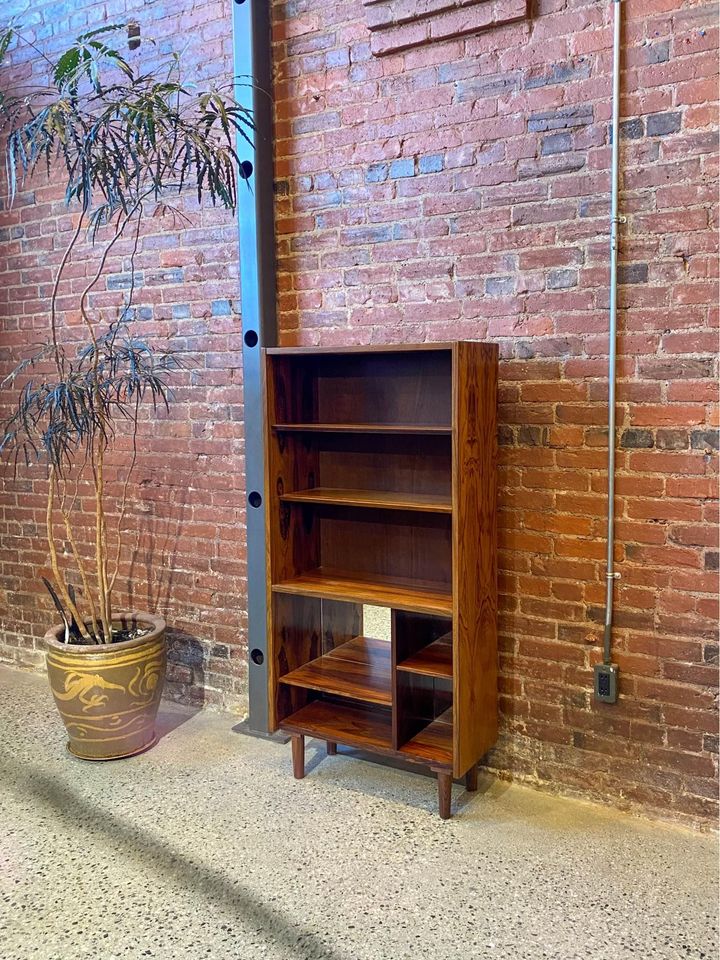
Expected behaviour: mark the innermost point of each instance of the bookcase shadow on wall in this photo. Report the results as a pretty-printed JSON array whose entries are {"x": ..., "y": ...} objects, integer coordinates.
[{"x": 380, "y": 489}]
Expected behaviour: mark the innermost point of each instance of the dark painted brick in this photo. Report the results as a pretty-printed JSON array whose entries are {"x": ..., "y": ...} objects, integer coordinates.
[
  {"x": 710, "y": 653},
  {"x": 338, "y": 58},
  {"x": 558, "y": 73},
  {"x": 562, "y": 279},
  {"x": 636, "y": 439},
  {"x": 123, "y": 281},
  {"x": 220, "y": 308},
  {"x": 404, "y": 167},
  {"x": 541, "y": 121},
  {"x": 492, "y": 86},
  {"x": 657, "y": 52},
  {"x": 712, "y": 560},
  {"x": 711, "y": 742},
  {"x": 171, "y": 275},
  {"x": 632, "y": 273},
  {"x": 700, "y": 439},
  {"x": 672, "y": 439},
  {"x": 660, "y": 124},
  {"x": 432, "y": 163},
  {"x": 531, "y": 436},
  {"x": 377, "y": 172},
  {"x": 499, "y": 286},
  {"x": 506, "y": 436},
  {"x": 631, "y": 129},
  {"x": 375, "y": 234},
  {"x": 556, "y": 143}
]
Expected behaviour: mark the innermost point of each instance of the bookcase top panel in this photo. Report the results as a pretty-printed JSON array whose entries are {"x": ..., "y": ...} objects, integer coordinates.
[{"x": 363, "y": 348}]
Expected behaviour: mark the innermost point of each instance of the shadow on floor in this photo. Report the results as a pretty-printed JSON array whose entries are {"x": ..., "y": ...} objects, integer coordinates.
[{"x": 139, "y": 845}]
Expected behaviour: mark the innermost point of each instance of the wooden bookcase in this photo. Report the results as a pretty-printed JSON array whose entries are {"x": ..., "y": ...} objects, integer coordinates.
[{"x": 380, "y": 489}]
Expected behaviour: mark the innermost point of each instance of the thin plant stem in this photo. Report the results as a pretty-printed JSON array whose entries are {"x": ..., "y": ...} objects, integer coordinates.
[
  {"x": 57, "y": 576},
  {"x": 66, "y": 513}
]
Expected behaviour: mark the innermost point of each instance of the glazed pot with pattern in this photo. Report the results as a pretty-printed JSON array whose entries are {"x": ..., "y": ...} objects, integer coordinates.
[{"x": 108, "y": 694}]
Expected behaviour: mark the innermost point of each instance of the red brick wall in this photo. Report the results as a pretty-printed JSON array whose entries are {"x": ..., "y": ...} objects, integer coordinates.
[
  {"x": 187, "y": 502},
  {"x": 459, "y": 189}
]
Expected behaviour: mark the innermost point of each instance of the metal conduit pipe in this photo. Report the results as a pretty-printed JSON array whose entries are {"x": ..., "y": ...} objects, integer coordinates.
[{"x": 606, "y": 674}]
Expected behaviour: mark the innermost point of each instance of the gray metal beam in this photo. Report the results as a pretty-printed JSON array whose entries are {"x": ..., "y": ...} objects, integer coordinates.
[{"x": 253, "y": 89}]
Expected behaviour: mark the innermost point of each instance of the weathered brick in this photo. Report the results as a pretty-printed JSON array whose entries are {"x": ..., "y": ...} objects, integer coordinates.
[
  {"x": 637, "y": 439},
  {"x": 661, "y": 124},
  {"x": 704, "y": 439},
  {"x": 563, "y": 118}
]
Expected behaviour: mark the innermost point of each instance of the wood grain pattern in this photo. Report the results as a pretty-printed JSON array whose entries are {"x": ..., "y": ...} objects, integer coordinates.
[
  {"x": 434, "y": 660},
  {"x": 428, "y": 428},
  {"x": 340, "y": 623},
  {"x": 364, "y": 726},
  {"x": 359, "y": 669},
  {"x": 382, "y": 499},
  {"x": 381, "y": 591},
  {"x": 360, "y": 348},
  {"x": 433, "y": 743},
  {"x": 296, "y": 638},
  {"x": 474, "y": 552}
]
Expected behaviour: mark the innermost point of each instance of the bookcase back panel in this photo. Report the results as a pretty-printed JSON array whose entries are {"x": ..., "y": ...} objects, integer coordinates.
[
  {"x": 364, "y": 388},
  {"x": 386, "y": 543},
  {"x": 407, "y": 464}
]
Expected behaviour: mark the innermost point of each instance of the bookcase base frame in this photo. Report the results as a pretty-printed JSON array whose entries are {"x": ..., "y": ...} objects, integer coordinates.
[{"x": 444, "y": 776}]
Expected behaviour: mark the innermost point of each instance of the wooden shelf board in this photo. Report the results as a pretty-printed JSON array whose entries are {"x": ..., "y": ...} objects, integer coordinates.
[
  {"x": 382, "y": 499},
  {"x": 435, "y": 660},
  {"x": 355, "y": 725},
  {"x": 369, "y": 727},
  {"x": 422, "y": 428},
  {"x": 434, "y": 743},
  {"x": 359, "y": 669},
  {"x": 416, "y": 596}
]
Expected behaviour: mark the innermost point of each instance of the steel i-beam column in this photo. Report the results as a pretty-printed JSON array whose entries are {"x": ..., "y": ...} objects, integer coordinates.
[{"x": 253, "y": 89}]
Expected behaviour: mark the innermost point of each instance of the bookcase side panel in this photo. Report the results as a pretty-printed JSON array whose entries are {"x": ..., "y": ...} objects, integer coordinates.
[{"x": 474, "y": 553}]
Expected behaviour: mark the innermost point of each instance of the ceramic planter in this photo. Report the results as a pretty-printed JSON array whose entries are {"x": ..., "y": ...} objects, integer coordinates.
[{"x": 108, "y": 694}]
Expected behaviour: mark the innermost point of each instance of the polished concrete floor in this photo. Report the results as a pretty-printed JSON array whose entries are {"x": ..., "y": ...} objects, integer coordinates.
[{"x": 206, "y": 847}]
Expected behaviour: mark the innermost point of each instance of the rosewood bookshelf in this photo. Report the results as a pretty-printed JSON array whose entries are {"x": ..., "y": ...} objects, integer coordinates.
[{"x": 380, "y": 490}]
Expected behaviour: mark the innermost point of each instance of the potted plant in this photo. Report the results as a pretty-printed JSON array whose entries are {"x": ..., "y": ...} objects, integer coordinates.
[{"x": 123, "y": 143}]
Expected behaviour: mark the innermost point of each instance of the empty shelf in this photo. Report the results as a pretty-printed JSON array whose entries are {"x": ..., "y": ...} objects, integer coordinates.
[
  {"x": 435, "y": 660},
  {"x": 359, "y": 669},
  {"x": 414, "y": 595},
  {"x": 383, "y": 499},
  {"x": 423, "y": 428}
]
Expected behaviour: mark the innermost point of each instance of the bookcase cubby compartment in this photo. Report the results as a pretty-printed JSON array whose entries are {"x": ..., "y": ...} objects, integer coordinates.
[{"x": 380, "y": 489}]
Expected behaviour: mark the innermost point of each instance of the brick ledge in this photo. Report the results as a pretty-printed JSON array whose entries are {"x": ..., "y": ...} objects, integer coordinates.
[{"x": 399, "y": 24}]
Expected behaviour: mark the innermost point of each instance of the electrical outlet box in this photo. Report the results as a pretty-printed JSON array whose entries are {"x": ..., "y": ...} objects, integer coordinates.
[{"x": 606, "y": 680}]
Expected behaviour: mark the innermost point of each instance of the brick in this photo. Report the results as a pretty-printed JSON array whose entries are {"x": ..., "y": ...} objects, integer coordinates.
[
  {"x": 432, "y": 163},
  {"x": 637, "y": 439},
  {"x": 563, "y": 118},
  {"x": 562, "y": 279},
  {"x": 499, "y": 286},
  {"x": 632, "y": 273},
  {"x": 556, "y": 143},
  {"x": 661, "y": 124},
  {"x": 402, "y": 168},
  {"x": 704, "y": 439}
]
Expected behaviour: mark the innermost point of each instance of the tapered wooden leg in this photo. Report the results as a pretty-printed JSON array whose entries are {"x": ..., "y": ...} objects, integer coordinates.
[
  {"x": 331, "y": 748},
  {"x": 471, "y": 779},
  {"x": 444, "y": 795},
  {"x": 298, "y": 756}
]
